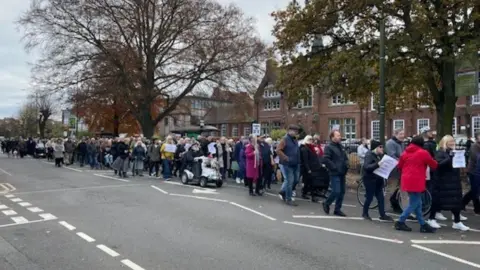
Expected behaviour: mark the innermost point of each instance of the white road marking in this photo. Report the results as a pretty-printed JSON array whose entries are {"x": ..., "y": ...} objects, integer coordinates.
[
  {"x": 16, "y": 200},
  {"x": 175, "y": 183},
  {"x": 110, "y": 177},
  {"x": 447, "y": 242},
  {"x": 108, "y": 250},
  {"x": 16, "y": 224},
  {"x": 448, "y": 256},
  {"x": 132, "y": 265},
  {"x": 9, "y": 195},
  {"x": 48, "y": 216},
  {"x": 85, "y": 237},
  {"x": 35, "y": 209},
  {"x": 159, "y": 189},
  {"x": 9, "y": 212},
  {"x": 67, "y": 225},
  {"x": 19, "y": 220},
  {"x": 5, "y": 172},
  {"x": 300, "y": 199},
  {"x": 5, "y": 188},
  {"x": 327, "y": 217},
  {"x": 25, "y": 204},
  {"x": 2, "y": 206},
  {"x": 74, "y": 189},
  {"x": 345, "y": 232},
  {"x": 204, "y": 191},
  {"x": 72, "y": 169},
  {"x": 198, "y": 197},
  {"x": 47, "y": 162},
  {"x": 12, "y": 188},
  {"x": 253, "y": 211}
]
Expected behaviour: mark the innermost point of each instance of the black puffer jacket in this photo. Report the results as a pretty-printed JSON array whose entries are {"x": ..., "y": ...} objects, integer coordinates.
[
  {"x": 336, "y": 159},
  {"x": 370, "y": 165},
  {"x": 447, "y": 187}
]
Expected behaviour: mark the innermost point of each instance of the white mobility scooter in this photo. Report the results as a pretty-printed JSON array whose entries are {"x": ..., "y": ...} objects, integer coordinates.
[{"x": 203, "y": 170}]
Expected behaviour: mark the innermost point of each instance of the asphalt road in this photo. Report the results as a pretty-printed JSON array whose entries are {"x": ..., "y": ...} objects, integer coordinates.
[{"x": 73, "y": 218}]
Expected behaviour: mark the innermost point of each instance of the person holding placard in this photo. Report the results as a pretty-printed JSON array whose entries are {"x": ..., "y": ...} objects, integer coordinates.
[
  {"x": 167, "y": 157},
  {"x": 447, "y": 187},
  {"x": 372, "y": 182}
]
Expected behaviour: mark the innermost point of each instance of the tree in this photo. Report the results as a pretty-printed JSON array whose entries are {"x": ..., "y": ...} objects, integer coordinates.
[
  {"x": 45, "y": 105},
  {"x": 423, "y": 40},
  {"x": 28, "y": 117},
  {"x": 160, "y": 48}
]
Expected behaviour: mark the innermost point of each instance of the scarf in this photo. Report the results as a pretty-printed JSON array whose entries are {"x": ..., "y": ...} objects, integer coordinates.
[{"x": 317, "y": 149}]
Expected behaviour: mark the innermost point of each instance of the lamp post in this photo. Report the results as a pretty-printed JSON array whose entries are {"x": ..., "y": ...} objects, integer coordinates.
[{"x": 381, "y": 109}]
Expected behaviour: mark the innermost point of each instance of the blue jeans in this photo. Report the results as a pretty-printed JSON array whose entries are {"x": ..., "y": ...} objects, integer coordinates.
[
  {"x": 167, "y": 172},
  {"x": 290, "y": 175},
  {"x": 337, "y": 183},
  {"x": 414, "y": 205},
  {"x": 92, "y": 160},
  {"x": 374, "y": 187}
]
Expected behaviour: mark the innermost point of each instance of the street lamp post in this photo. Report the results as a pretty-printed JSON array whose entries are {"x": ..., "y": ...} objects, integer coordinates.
[{"x": 381, "y": 107}]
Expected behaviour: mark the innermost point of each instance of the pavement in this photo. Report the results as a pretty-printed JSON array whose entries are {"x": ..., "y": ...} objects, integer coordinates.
[{"x": 75, "y": 218}]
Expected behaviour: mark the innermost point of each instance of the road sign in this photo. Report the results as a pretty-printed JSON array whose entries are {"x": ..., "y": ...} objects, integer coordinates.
[{"x": 256, "y": 129}]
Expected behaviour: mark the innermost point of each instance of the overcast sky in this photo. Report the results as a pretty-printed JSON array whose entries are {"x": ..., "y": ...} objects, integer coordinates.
[{"x": 14, "y": 61}]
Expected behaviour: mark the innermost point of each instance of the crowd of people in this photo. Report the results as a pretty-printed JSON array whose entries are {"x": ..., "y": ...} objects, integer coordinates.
[{"x": 258, "y": 162}]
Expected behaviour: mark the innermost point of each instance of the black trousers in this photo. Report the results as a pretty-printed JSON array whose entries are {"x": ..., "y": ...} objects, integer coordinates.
[
  {"x": 249, "y": 181},
  {"x": 267, "y": 172},
  {"x": 154, "y": 165}
]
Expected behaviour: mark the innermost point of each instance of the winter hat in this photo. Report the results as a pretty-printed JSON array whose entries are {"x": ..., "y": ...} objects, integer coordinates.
[
  {"x": 425, "y": 129},
  {"x": 374, "y": 144}
]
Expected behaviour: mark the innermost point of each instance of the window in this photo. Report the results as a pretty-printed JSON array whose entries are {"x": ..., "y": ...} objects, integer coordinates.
[
  {"x": 454, "y": 126},
  {"x": 373, "y": 105},
  {"x": 271, "y": 93},
  {"x": 235, "y": 131},
  {"x": 349, "y": 128},
  {"x": 306, "y": 102},
  {"x": 271, "y": 105},
  {"x": 246, "y": 131},
  {"x": 421, "y": 95},
  {"x": 340, "y": 100},
  {"x": 476, "y": 98},
  {"x": 398, "y": 124},
  {"x": 223, "y": 130},
  {"x": 166, "y": 121},
  {"x": 376, "y": 129},
  {"x": 276, "y": 125},
  {"x": 333, "y": 124},
  {"x": 421, "y": 123},
  {"x": 265, "y": 128},
  {"x": 475, "y": 125}
]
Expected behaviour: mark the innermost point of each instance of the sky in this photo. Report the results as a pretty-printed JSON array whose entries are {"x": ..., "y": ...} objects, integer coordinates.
[{"x": 15, "y": 62}]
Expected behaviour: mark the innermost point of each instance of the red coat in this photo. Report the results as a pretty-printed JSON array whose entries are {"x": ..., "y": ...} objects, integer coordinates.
[
  {"x": 413, "y": 166},
  {"x": 252, "y": 167}
]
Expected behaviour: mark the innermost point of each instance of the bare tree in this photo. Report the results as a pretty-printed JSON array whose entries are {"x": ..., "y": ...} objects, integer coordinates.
[
  {"x": 28, "y": 119},
  {"x": 160, "y": 49},
  {"x": 45, "y": 106}
]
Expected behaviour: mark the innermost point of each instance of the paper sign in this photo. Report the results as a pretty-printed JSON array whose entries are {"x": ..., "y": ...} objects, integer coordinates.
[
  {"x": 212, "y": 149},
  {"x": 387, "y": 165},
  {"x": 459, "y": 159},
  {"x": 170, "y": 148},
  {"x": 187, "y": 146}
]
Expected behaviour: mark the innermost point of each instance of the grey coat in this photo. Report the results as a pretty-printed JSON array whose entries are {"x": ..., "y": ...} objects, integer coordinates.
[
  {"x": 154, "y": 153},
  {"x": 394, "y": 148}
]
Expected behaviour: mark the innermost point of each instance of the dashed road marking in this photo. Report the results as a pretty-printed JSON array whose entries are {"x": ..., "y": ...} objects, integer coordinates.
[
  {"x": 67, "y": 225},
  {"x": 19, "y": 220},
  {"x": 35, "y": 209},
  {"x": 108, "y": 250},
  {"x": 253, "y": 211},
  {"x": 86, "y": 237},
  {"x": 48, "y": 216},
  {"x": 448, "y": 256},
  {"x": 17, "y": 224},
  {"x": 25, "y": 204},
  {"x": 199, "y": 197},
  {"x": 2, "y": 207},
  {"x": 9, "y": 212},
  {"x": 132, "y": 265},
  {"x": 16, "y": 200},
  {"x": 5, "y": 172},
  {"x": 447, "y": 242},
  {"x": 345, "y": 232},
  {"x": 159, "y": 189},
  {"x": 72, "y": 169},
  {"x": 110, "y": 177},
  {"x": 9, "y": 195}
]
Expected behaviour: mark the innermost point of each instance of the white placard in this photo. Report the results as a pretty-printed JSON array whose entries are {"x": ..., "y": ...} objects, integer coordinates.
[
  {"x": 256, "y": 129},
  {"x": 170, "y": 148},
  {"x": 187, "y": 146},
  {"x": 459, "y": 159},
  {"x": 387, "y": 165},
  {"x": 212, "y": 149}
]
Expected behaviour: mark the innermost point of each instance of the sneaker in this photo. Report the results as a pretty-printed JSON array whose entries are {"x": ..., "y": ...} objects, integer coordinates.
[
  {"x": 433, "y": 223},
  {"x": 386, "y": 218},
  {"x": 237, "y": 180},
  {"x": 462, "y": 218},
  {"x": 326, "y": 208},
  {"x": 294, "y": 193},
  {"x": 460, "y": 226},
  {"x": 281, "y": 195},
  {"x": 426, "y": 228},
  {"x": 401, "y": 226},
  {"x": 339, "y": 213},
  {"x": 291, "y": 203},
  {"x": 242, "y": 181},
  {"x": 367, "y": 217},
  {"x": 440, "y": 216}
]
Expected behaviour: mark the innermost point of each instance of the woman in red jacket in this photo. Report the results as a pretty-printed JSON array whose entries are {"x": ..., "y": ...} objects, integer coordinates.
[{"x": 413, "y": 165}]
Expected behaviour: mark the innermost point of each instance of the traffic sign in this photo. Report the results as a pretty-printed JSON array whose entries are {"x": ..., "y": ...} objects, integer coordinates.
[{"x": 256, "y": 129}]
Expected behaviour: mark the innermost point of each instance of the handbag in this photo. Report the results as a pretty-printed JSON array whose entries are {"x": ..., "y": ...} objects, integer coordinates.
[{"x": 235, "y": 166}]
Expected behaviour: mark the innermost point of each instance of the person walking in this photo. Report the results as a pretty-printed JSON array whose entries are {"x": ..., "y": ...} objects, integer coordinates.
[
  {"x": 394, "y": 148},
  {"x": 253, "y": 166},
  {"x": 413, "y": 165},
  {"x": 69, "y": 148},
  {"x": 372, "y": 182},
  {"x": 58, "y": 152},
  {"x": 336, "y": 161},
  {"x": 154, "y": 157},
  {"x": 313, "y": 171},
  {"x": 362, "y": 150},
  {"x": 167, "y": 158},
  {"x": 473, "y": 172},
  {"x": 447, "y": 188},
  {"x": 138, "y": 156},
  {"x": 289, "y": 154}
]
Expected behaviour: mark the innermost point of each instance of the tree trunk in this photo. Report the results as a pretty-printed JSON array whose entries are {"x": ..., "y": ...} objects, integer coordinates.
[
  {"x": 445, "y": 103},
  {"x": 116, "y": 121},
  {"x": 41, "y": 128},
  {"x": 146, "y": 122}
]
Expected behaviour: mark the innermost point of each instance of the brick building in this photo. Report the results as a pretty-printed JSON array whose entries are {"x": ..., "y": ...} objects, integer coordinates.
[
  {"x": 319, "y": 113},
  {"x": 230, "y": 112}
]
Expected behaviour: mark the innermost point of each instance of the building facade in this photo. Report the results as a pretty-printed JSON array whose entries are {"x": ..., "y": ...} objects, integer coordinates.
[{"x": 320, "y": 113}]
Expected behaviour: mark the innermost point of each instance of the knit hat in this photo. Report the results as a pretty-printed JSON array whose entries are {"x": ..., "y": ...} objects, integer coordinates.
[{"x": 374, "y": 144}]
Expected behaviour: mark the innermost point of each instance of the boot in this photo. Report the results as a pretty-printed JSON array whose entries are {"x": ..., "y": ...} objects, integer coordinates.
[
  {"x": 401, "y": 226},
  {"x": 426, "y": 228}
]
